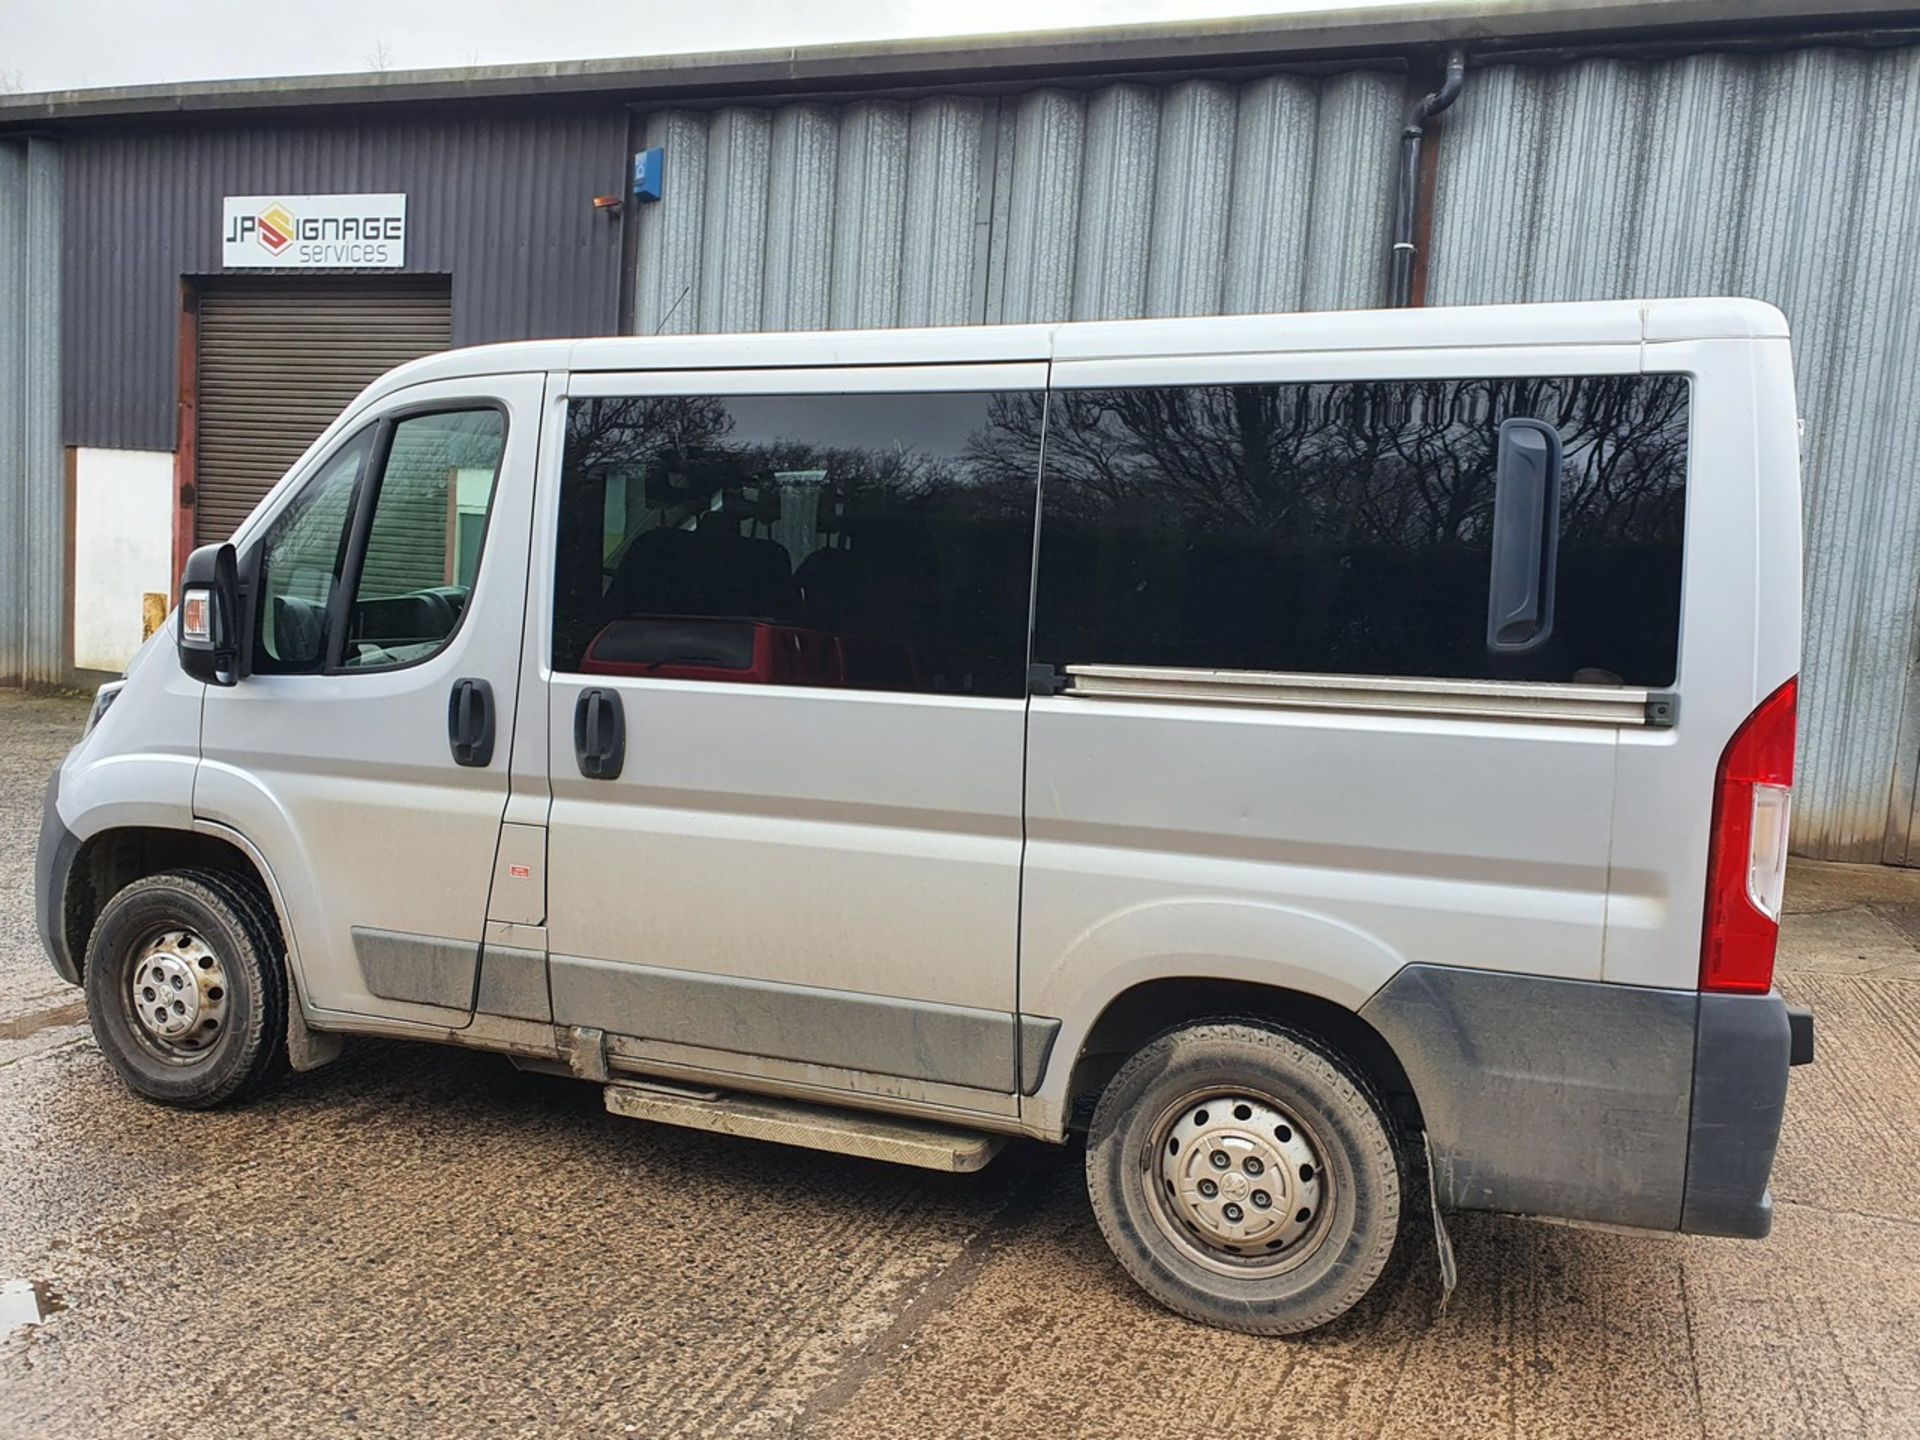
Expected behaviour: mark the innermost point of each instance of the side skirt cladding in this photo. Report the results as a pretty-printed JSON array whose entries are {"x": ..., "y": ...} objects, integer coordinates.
[{"x": 945, "y": 1044}]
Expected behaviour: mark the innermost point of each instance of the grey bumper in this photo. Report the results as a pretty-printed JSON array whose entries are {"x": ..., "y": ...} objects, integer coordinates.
[
  {"x": 51, "y": 867},
  {"x": 1623, "y": 1105},
  {"x": 1743, "y": 1048}
]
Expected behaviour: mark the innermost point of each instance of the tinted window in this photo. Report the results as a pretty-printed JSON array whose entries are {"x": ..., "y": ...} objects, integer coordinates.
[
  {"x": 1344, "y": 528},
  {"x": 857, "y": 541}
]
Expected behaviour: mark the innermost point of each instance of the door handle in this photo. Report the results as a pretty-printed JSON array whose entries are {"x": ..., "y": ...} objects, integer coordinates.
[
  {"x": 1526, "y": 537},
  {"x": 600, "y": 734},
  {"x": 470, "y": 722}
]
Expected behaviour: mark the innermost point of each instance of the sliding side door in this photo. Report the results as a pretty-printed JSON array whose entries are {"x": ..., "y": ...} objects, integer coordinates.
[{"x": 787, "y": 713}]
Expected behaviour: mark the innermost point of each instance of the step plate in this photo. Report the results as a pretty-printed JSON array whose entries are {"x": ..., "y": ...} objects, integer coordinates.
[{"x": 815, "y": 1127}]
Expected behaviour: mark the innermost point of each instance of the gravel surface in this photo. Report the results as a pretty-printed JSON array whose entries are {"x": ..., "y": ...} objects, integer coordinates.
[{"x": 422, "y": 1242}]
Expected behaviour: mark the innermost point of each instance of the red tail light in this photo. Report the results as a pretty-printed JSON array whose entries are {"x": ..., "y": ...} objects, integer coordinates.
[{"x": 1747, "y": 858}]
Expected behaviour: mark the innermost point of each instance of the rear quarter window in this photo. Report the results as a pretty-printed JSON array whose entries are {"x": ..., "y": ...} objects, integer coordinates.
[{"x": 1345, "y": 527}]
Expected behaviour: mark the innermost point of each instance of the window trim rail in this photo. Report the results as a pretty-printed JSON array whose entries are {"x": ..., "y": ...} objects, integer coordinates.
[{"x": 1623, "y": 706}]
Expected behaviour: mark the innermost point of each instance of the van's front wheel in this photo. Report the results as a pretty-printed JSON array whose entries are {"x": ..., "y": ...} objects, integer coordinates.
[
  {"x": 186, "y": 989},
  {"x": 1245, "y": 1177}
]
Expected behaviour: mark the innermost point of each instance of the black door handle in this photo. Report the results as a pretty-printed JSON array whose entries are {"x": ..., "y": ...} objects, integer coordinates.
[
  {"x": 470, "y": 722},
  {"x": 600, "y": 734}
]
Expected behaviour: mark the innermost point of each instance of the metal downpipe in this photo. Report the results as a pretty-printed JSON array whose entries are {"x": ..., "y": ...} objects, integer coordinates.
[{"x": 1423, "y": 110}]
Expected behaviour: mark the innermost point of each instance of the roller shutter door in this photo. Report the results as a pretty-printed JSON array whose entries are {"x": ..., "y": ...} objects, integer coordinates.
[{"x": 279, "y": 359}]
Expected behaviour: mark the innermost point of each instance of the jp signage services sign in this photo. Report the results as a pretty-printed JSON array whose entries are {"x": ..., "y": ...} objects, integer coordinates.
[{"x": 314, "y": 232}]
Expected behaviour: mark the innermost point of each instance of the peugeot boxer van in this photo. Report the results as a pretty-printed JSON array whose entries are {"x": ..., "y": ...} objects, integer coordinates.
[{"x": 1339, "y": 764}]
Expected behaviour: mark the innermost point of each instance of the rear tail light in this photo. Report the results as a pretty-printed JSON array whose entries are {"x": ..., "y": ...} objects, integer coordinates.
[{"x": 1747, "y": 857}]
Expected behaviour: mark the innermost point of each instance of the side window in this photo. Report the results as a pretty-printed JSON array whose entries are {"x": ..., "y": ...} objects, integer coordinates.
[
  {"x": 302, "y": 560},
  {"x": 423, "y": 545},
  {"x": 419, "y": 560},
  {"x": 877, "y": 542},
  {"x": 1346, "y": 528}
]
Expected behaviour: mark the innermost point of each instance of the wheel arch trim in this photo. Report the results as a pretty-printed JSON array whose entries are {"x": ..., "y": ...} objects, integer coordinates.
[{"x": 1277, "y": 948}]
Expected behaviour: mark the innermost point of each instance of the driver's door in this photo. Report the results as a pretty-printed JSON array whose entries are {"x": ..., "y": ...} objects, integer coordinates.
[{"x": 386, "y": 594}]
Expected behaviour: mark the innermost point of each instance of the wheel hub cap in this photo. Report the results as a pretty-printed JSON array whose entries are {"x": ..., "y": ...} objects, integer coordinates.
[
  {"x": 178, "y": 992},
  {"x": 1238, "y": 1172}
]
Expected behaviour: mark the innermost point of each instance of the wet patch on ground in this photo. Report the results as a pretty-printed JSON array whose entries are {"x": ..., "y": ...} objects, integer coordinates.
[{"x": 24, "y": 1027}]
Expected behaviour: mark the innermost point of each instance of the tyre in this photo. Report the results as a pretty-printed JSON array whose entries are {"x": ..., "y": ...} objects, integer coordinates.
[
  {"x": 187, "y": 989},
  {"x": 1246, "y": 1177}
]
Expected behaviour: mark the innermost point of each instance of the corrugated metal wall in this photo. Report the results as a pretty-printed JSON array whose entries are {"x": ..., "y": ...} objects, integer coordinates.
[
  {"x": 1187, "y": 199},
  {"x": 1794, "y": 178},
  {"x": 501, "y": 201},
  {"x": 33, "y": 509}
]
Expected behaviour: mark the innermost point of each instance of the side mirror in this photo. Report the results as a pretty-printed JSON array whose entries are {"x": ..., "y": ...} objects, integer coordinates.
[{"x": 207, "y": 627}]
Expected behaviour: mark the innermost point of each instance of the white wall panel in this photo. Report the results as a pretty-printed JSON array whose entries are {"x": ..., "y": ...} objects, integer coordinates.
[{"x": 122, "y": 549}]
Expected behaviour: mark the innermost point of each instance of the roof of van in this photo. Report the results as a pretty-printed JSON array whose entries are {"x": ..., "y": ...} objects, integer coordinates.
[{"x": 1595, "y": 322}]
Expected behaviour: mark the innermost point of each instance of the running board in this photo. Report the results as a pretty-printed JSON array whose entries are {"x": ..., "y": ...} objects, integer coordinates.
[{"x": 815, "y": 1127}]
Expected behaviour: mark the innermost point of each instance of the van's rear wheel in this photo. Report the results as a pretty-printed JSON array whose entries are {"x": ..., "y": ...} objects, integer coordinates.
[
  {"x": 1246, "y": 1177},
  {"x": 186, "y": 989}
]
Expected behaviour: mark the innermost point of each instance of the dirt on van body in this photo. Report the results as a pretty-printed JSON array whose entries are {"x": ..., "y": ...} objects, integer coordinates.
[{"x": 424, "y": 1242}]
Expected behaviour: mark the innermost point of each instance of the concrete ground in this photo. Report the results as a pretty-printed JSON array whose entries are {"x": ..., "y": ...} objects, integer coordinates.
[{"x": 426, "y": 1243}]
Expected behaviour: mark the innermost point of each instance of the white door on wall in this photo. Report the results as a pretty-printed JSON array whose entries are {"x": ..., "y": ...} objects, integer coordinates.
[{"x": 123, "y": 508}]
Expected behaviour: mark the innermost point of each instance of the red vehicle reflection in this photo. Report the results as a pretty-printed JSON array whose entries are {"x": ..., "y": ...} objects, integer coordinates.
[{"x": 749, "y": 652}]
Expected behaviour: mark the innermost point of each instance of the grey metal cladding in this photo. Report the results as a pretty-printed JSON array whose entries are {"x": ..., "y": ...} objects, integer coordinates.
[
  {"x": 869, "y": 215},
  {"x": 1779, "y": 176},
  {"x": 944, "y": 150},
  {"x": 948, "y": 1044},
  {"x": 733, "y": 231},
  {"x": 1354, "y": 156},
  {"x": 1037, "y": 228},
  {"x": 799, "y": 264},
  {"x": 1118, "y": 190},
  {"x": 417, "y": 969},
  {"x": 1037, "y": 1035},
  {"x": 1547, "y": 1097},
  {"x": 513, "y": 982},
  {"x": 664, "y": 298},
  {"x": 1187, "y": 241},
  {"x": 33, "y": 510},
  {"x": 500, "y": 200},
  {"x": 1276, "y": 139},
  {"x": 1126, "y": 200}
]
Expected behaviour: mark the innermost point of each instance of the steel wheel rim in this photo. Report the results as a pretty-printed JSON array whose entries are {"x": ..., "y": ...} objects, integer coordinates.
[
  {"x": 1224, "y": 1182},
  {"x": 177, "y": 995}
]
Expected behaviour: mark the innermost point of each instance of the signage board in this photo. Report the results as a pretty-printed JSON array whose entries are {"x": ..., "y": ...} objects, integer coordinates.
[{"x": 314, "y": 232}]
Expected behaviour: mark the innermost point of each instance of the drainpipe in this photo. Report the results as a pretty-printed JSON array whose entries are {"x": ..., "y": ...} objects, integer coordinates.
[{"x": 1423, "y": 110}]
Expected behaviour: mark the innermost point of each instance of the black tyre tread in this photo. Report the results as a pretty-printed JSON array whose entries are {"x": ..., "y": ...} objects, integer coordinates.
[
  {"x": 1352, "y": 1088},
  {"x": 249, "y": 894},
  {"x": 249, "y": 897},
  {"x": 263, "y": 1049}
]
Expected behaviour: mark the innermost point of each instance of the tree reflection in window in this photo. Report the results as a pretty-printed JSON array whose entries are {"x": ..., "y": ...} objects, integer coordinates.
[{"x": 1344, "y": 527}]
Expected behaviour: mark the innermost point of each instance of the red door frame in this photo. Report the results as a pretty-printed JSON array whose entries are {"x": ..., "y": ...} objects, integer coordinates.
[{"x": 185, "y": 480}]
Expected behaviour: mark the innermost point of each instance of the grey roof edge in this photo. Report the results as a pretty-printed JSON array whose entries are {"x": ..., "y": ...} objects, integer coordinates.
[{"x": 1302, "y": 36}]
